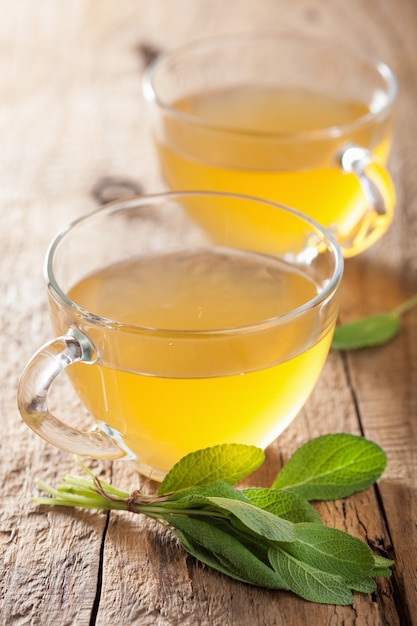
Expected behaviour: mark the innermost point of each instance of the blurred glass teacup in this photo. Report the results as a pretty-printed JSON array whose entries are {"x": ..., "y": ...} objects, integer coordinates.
[{"x": 294, "y": 120}]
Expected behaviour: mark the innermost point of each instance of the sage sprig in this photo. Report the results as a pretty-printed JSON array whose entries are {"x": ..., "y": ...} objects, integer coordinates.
[
  {"x": 372, "y": 331},
  {"x": 269, "y": 537}
]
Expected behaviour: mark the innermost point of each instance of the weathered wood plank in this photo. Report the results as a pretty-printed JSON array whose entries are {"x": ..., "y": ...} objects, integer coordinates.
[{"x": 71, "y": 117}]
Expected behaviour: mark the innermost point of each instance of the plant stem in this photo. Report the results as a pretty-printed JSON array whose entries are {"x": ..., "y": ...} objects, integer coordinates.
[
  {"x": 83, "y": 492},
  {"x": 406, "y": 306},
  {"x": 78, "y": 481}
]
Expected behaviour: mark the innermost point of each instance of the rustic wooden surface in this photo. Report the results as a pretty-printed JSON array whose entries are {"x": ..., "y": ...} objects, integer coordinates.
[{"x": 73, "y": 133}]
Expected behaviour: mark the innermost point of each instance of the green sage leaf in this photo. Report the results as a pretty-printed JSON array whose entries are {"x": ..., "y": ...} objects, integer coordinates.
[
  {"x": 220, "y": 545},
  {"x": 286, "y": 504},
  {"x": 199, "y": 496},
  {"x": 309, "y": 582},
  {"x": 205, "y": 556},
  {"x": 372, "y": 331},
  {"x": 365, "y": 585},
  {"x": 258, "y": 521},
  {"x": 229, "y": 463},
  {"x": 366, "y": 332},
  {"x": 332, "y": 466},
  {"x": 332, "y": 551},
  {"x": 382, "y": 567}
]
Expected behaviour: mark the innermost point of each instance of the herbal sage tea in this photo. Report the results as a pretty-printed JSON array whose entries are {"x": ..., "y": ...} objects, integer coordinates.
[{"x": 298, "y": 121}]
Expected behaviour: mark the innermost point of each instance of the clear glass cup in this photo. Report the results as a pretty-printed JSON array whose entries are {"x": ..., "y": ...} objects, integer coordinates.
[
  {"x": 298, "y": 121},
  {"x": 177, "y": 337}
]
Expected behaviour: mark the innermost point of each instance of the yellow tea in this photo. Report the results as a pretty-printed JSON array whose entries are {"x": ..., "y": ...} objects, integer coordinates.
[
  {"x": 217, "y": 368},
  {"x": 281, "y": 146}
]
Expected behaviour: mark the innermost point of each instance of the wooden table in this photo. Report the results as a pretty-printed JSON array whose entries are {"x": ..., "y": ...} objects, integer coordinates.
[{"x": 73, "y": 133}]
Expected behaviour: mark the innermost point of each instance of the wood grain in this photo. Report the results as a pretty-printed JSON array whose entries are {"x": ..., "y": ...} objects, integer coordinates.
[{"x": 74, "y": 134}]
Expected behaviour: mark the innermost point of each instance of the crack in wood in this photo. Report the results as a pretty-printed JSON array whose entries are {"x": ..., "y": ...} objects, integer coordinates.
[
  {"x": 96, "y": 604},
  {"x": 396, "y": 579},
  {"x": 353, "y": 393}
]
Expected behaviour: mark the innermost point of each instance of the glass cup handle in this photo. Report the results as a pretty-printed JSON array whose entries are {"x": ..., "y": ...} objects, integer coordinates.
[
  {"x": 377, "y": 188},
  {"x": 372, "y": 177},
  {"x": 34, "y": 386}
]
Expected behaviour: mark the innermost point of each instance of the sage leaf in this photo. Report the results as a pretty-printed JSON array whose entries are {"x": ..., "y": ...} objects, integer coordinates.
[
  {"x": 309, "y": 582},
  {"x": 382, "y": 567},
  {"x": 366, "y": 585},
  {"x": 382, "y": 562},
  {"x": 286, "y": 504},
  {"x": 224, "y": 547},
  {"x": 205, "y": 556},
  {"x": 332, "y": 551},
  {"x": 199, "y": 496},
  {"x": 258, "y": 521},
  {"x": 371, "y": 331},
  {"x": 229, "y": 463},
  {"x": 366, "y": 332},
  {"x": 332, "y": 466}
]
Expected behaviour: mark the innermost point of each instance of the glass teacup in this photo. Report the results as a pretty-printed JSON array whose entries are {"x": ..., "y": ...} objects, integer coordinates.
[
  {"x": 295, "y": 120},
  {"x": 175, "y": 339}
]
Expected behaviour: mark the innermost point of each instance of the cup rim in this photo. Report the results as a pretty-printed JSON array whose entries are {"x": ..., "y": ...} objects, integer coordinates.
[
  {"x": 78, "y": 312},
  {"x": 385, "y": 72}
]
